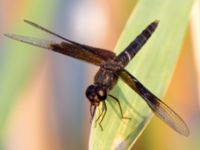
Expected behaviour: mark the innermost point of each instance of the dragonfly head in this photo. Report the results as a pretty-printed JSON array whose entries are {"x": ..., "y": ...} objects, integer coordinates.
[{"x": 96, "y": 94}]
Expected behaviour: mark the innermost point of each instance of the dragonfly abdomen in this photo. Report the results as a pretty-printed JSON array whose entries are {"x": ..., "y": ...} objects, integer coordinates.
[{"x": 125, "y": 56}]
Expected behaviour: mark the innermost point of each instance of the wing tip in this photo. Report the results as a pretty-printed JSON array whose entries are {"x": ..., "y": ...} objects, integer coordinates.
[
  {"x": 30, "y": 22},
  {"x": 6, "y": 34},
  {"x": 10, "y": 35},
  {"x": 15, "y": 37},
  {"x": 185, "y": 132},
  {"x": 27, "y": 21}
]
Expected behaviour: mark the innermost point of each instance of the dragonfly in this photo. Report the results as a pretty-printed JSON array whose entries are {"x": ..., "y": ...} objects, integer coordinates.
[{"x": 111, "y": 68}]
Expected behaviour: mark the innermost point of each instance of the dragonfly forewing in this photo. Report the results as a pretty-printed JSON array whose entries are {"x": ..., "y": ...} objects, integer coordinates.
[
  {"x": 103, "y": 53},
  {"x": 62, "y": 48},
  {"x": 90, "y": 54},
  {"x": 30, "y": 40}
]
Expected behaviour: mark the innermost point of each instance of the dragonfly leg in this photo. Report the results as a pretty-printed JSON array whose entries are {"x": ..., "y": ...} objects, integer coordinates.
[
  {"x": 120, "y": 108},
  {"x": 92, "y": 112},
  {"x": 103, "y": 114},
  {"x": 102, "y": 111}
]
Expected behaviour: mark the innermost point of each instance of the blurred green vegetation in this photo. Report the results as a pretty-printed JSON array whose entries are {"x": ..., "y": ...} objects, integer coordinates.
[{"x": 20, "y": 63}]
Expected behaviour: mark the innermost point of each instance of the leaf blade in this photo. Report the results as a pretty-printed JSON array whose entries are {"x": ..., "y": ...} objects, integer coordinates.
[{"x": 153, "y": 66}]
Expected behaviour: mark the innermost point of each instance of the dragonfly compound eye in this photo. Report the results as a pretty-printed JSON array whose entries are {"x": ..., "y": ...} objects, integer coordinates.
[{"x": 91, "y": 94}]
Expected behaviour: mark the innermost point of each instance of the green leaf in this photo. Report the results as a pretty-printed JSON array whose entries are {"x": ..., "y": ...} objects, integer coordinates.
[{"x": 153, "y": 66}]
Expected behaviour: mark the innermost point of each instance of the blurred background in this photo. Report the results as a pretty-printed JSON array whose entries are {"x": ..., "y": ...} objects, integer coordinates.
[{"x": 42, "y": 94}]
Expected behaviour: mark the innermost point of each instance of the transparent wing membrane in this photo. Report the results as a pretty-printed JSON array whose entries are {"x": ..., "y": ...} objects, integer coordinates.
[
  {"x": 48, "y": 31},
  {"x": 166, "y": 114},
  {"x": 30, "y": 40}
]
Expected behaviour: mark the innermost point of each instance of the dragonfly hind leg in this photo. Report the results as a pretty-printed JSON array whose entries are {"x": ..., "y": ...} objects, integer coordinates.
[{"x": 120, "y": 108}]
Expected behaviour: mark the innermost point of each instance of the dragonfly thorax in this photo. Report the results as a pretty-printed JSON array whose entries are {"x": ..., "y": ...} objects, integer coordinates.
[{"x": 96, "y": 94}]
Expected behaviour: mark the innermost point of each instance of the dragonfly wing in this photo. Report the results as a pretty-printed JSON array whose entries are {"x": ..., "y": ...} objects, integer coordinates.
[
  {"x": 62, "y": 48},
  {"x": 30, "y": 40},
  {"x": 103, "y": 53},
  {"x": 161, "y": 110}
]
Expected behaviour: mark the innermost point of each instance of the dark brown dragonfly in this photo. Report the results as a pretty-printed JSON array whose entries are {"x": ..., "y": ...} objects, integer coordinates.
[{"x": 111, "y": 68}]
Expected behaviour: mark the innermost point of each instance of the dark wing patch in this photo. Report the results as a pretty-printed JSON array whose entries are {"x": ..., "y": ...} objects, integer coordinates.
[
  {"x": 62, "y": 48},
  {"x": 77, "y": 52},
  {"x": 103, "y": 53},
  {"x": 161, "y": 110}
]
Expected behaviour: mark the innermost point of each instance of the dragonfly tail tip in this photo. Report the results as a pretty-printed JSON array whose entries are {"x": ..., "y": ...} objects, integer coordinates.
[{"x": 156, "y": 21}]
